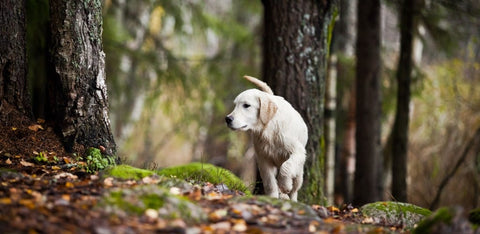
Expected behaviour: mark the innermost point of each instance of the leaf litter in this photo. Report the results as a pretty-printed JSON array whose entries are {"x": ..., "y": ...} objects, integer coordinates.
[{"x": 55, "y": 194}]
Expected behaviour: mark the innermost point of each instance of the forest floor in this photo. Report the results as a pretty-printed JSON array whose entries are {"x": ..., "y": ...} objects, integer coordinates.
[{"x": 46, "y": 190}]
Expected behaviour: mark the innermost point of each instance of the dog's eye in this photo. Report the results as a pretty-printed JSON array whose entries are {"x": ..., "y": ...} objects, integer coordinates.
[{"x": 246, "y": 105}]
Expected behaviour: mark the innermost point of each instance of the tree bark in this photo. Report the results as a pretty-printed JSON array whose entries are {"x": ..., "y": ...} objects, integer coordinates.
[
  {"x": 368, "y": 104},
  {"x": 404, "y": 77},
  {"x": 295, "y": 61},
  {"x": 13, "y": 61},
  {"x": 80, "y": 93}
]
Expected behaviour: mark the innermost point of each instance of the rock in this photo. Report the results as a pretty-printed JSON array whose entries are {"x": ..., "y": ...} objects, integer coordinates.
[
  {"x": 395, "y": 214},
  {"x": 151, "y": 201},
  {"x": 445, "y": 220}
]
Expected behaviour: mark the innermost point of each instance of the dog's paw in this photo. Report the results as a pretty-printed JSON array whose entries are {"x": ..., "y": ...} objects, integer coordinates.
[{"x": 284, "y": 196}]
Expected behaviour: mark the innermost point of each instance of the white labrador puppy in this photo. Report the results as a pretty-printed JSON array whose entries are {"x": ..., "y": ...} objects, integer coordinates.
[{"x": 279, "y": 137}]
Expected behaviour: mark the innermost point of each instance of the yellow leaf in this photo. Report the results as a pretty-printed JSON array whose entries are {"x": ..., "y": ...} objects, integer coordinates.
[
  {"x": 55, "y": 168},
  {"x": 35, "y": 127},
  {"x": 8, "y": 161},
  {"x": 28, "y": 203},
  {"x": 5, "y": 201},
  {"x": 355, "y": 210},
  {"x": 69, "y": 184},
  {"x": 14, "y": 128}
]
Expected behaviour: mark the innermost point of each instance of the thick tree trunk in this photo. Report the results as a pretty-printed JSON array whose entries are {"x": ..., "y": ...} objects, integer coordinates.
[
  {"x": 295, "y": 58},
  {"x": 80, "y": 92},
  {"x": 13, "y": 61},
  {"x": 400, "y": 127},
  {"x": 368, "y": 105}
]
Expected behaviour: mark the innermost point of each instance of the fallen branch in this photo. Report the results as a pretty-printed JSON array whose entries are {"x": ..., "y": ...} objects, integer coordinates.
[{"x": 474, "y": 141}]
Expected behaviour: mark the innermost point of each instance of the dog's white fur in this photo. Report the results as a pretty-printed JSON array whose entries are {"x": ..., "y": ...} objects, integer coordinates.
[{"x": 279, "y": 138}]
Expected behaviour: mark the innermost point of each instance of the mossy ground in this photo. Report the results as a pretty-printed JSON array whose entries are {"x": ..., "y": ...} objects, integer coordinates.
[
  {"x": 204, "y": 172},
  {"x": 127, "y": 172}
]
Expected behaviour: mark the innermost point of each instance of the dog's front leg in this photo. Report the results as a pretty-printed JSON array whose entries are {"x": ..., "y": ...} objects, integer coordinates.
[{"x": 268, "y": 172}]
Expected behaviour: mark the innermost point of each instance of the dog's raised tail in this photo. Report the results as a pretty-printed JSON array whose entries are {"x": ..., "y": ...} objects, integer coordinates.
[{"x": 262, "y": 85}]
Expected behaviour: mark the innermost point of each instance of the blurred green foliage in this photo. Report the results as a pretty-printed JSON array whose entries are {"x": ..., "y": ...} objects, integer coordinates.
[{"x": 173, "y": 68}]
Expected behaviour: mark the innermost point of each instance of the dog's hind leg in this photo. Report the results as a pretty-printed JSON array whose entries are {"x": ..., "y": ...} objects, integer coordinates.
[{"x": 297, "y": 183}]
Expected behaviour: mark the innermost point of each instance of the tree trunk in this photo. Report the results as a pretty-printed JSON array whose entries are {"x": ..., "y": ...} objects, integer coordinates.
[
  {"x": 330, "y": 112},
  {"x": 400, "y": 126},
  {"x": 368, "y": 105},
  {"x": 13, "y": 61},
  {"x": 295, "y": 58},
  {"x": 80, "y": 93}
]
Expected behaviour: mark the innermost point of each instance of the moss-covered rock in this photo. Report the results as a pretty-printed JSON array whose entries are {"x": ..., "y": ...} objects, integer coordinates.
[
  {"x": 204, "y": 172},
  {"x": 445, "y": 220},
  {"x": 395, "y": 213},
  {"x": 474, "y": 216},
  {"x": 142, "y": 200},
  {"x": 127, "y": 172}
]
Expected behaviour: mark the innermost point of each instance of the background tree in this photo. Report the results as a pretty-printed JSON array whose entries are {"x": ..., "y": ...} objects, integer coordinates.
[
  {"x": 404, "y": 74},
  {"x": 295, "y": 53},
  {"x": 368, "y": 104},
  {"x": 13, "y": 70},
  {"x": 79, "y": 92}
]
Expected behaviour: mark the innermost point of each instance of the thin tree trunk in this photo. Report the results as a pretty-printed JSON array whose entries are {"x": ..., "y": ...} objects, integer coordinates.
[
  {"x": 400, "y": 126},
  {"x": 330, "y": 111},
  {"x": 13, "y": 61},
  {"x": 368, "y": 103},
  {"x": 80, "y": 100},
  {"x": 295, "y": 58}
]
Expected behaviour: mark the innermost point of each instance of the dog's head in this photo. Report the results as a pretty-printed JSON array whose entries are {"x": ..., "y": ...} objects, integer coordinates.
[{"x": 253, "y": 110}]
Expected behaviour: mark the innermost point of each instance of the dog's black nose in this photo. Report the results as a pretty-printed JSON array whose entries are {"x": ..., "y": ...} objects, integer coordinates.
[{"x": 229, "y": 119}]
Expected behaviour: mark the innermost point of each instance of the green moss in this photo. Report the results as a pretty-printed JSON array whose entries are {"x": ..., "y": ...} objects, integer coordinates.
[
  {"x": 474, "y": 216},
  {"x": 204, "y": 172},
  {"x": 395, "y": 213},
  {"x": 442, "y": 215},
  {"x": 127, "y": 172},
  {"x": 138, "y": 199}
]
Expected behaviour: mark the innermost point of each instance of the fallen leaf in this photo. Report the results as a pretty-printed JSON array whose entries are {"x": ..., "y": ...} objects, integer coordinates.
[
  {"x": 67, "y": 160},
  {"x": 355, "y": 210},
  {"x": 26, "y": 164},
  {"x": 333, "y": 209},
  {"x": 69, "y": 184},
  {"x": 367, "y": 220},
  {"x": 35, "y": 127},
  {"x": 14, "y": 128},
  {"x": 5, "y": 201},
  {"x": 28, "y": 203},
  {"x": 40, "y": 121},
  {"x": 55, "y": 168},
  {"x": 217, "y": 215},
  {"x": 108, "y": 182},
  {"x": 8, "y": 161},
  {"x": 151, "y": 213},
  {"x": 239, "y": 225},
  {"x": 221, "y": 226}
]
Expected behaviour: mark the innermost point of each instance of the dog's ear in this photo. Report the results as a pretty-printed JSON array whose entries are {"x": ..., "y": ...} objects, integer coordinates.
[{"x": 267, "y": 109}]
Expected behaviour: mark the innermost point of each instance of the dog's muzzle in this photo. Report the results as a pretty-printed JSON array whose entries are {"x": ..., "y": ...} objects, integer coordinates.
[{"x": 229, "y": 120}]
